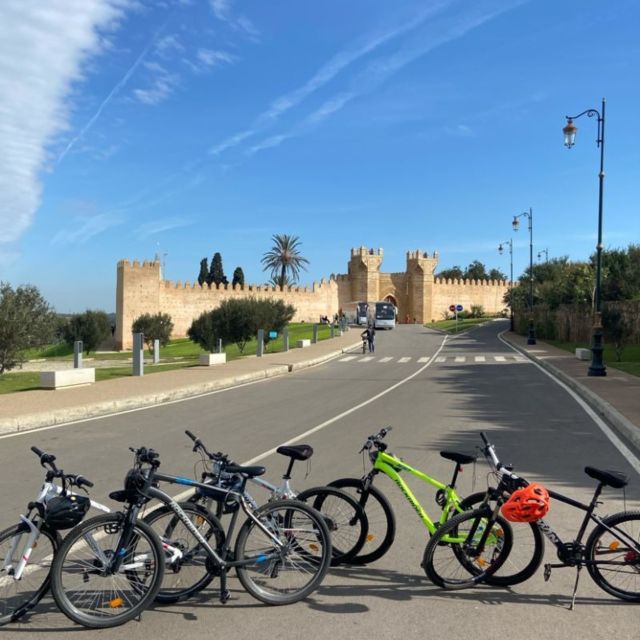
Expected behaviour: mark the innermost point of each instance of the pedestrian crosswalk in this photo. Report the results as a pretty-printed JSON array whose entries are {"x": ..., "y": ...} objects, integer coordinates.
[{"x": 510, "y": 358}]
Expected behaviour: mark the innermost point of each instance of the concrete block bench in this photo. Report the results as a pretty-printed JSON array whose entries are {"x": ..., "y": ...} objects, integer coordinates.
[
  {"x": 209, "y": 359},
  {"x": 303, "y": 343},
  {"x": 67, "y": 378},
  {"x": 583, "y": 354}
]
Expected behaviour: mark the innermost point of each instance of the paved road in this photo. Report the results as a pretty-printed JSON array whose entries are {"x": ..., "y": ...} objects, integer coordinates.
[{"x": 474, "y": 382}]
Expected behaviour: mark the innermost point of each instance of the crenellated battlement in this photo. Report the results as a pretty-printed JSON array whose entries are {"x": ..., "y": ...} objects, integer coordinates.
[
  {"x": 471, "y": 283},
  {"x": 422, "y": 255},
  {"x": 365, "y": 251}
]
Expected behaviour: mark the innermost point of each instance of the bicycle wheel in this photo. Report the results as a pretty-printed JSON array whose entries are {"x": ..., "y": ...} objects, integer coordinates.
[
  {"x": 614, "y": 556},
  {"x": 454, "y": 558},
  {"x": 187, "y": 574},
  {"x": 381, "y": 521},
  {"x": 344, "y": 517},
  {"x": 83, "y": 587},
  {"x": 288, "y": 570},
  {"x": 526, "y": 553},
  {"x": 19, "y": 596}
]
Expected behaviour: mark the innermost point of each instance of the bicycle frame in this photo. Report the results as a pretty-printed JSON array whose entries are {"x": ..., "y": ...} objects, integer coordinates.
[{"x": 391, "y": 466}]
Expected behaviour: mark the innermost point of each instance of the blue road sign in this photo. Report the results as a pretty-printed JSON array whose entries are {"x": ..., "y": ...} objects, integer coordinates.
[
  {"x": 459, "y": 307},
  {"x": 273, "y": 334}
]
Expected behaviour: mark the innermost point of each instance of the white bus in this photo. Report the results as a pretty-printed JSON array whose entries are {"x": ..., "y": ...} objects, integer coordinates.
[
  {"x": 385, "y": 316},
  {"x": 362, "y": 313}
]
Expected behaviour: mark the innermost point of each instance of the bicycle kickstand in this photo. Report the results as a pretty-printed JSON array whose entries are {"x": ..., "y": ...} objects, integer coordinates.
[
  {"x": 225, "y": 594},
  {"x": 575, "y": 588}
]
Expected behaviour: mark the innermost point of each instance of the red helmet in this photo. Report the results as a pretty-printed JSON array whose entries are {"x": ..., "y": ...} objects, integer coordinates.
[{"x": 527, "y": 504}]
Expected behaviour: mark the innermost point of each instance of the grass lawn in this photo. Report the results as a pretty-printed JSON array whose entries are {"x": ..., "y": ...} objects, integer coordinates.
[
  {"x": 177, "y": 354},
  {"x": 630, "y": 361},
  {"x": 450, "y": 325}
]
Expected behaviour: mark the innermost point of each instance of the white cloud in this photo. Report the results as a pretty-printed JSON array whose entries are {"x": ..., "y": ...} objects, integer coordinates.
[
  {"x": 162, "y": 85},
  {"x": 43, "y": 48},
  {"x": 210, "y": 58},
  {"x": 89, "y": 228},
  {"x": 158, "y": 226},
  {"x": 222, "y": 11}
]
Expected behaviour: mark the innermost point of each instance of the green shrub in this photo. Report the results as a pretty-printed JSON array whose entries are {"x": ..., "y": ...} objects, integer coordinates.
[
  {"x": 154, "y": 327},
  {"x": 92, "y": 327}
]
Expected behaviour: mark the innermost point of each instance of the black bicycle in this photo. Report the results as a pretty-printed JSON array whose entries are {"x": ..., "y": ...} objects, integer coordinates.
[
  {"x": 611, "y": 552},
  {"x": 110, "y": 568}
]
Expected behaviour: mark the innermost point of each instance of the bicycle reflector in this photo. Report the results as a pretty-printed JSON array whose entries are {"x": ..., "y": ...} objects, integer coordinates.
[{"x": 527, "y": 504}]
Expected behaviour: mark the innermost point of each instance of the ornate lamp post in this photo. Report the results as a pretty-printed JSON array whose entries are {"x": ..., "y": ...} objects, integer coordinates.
[
  {"x": 501, "y": 251},
  {"x": 531, "y": 339},
  {"x": 597, "y": 367},
  {"x": 544, "y": 252}
]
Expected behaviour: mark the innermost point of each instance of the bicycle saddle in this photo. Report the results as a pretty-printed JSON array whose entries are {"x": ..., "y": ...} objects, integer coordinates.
[
  {"x": 460, "y": 458},
  {"x": 251, "y": 471},
  {"x": 297, "y": 452},
  {"x": 614, "y": 479}
]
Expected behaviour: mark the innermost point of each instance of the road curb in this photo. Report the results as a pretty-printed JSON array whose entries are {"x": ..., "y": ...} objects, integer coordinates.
[
  {"x": 30, "y": 422},
  {"x": 622, "y": 425}
]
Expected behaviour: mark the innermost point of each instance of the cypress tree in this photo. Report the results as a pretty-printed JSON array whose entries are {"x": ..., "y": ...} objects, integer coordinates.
[
  {"x": 238, "y": 277},
  {"x": 203, "y": 276}
]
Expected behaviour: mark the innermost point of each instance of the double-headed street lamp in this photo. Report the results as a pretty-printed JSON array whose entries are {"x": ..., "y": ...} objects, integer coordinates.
[
  {"x": 531, "y": 339},
  {"x": 597, "y": 367},
  {"x": 501, "y": 251},
  {"x": 544, "y": 252}
]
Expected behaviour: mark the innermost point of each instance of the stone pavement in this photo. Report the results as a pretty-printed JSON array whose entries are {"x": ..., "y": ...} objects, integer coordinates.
[{"x": 616, "y": 397}]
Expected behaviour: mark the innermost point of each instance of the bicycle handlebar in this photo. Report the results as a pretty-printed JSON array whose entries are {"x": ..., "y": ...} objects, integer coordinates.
[
  {"x": 375, "y": 439},
  {"x": 54, "y": 472},
  {"x": 218, "y": 456}
]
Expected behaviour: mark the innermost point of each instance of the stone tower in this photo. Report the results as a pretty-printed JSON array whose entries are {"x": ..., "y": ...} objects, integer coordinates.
[
  {"x": 364, "y": 274},
  {"x": 420, "y": 268}
]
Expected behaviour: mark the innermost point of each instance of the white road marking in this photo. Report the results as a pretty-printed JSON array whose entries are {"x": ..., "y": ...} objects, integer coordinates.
[
  {"x": 500, "y": 358},
  {"x": 460, "y": 359},
  {"x": 403, "y": 360},
  {"x": 386, "y": 359},
  {"x": 366, "y": 359},
  {"x": 441, "y": 359},
  {"x": 423, "y": 359},
  {"x": 347, "y": 358},
  {"x": 480, "y": 359}
]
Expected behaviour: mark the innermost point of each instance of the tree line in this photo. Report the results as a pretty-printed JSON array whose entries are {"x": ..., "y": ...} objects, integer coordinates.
[{"x": 475, "y": 271}]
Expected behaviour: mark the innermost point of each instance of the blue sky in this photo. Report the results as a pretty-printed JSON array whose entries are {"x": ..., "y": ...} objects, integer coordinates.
[{"x": 131, "y": 128}]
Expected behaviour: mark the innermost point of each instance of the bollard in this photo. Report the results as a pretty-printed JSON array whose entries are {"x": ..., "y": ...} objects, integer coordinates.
[
  {"x": 332, "y": 331},
  {"x": 156, "y": 351},
  {"x": 285, "y": 339},
  {"x": 138, "y": 354},
  {"x": 219, "y": 345},
  {"x": 260, "y": 345},
  {"x": 77, "y": 354},
  {"x": 315, "y": 334}
]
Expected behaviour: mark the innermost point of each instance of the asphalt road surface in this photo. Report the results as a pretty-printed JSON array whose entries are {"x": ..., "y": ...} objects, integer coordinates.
[{"x": 437, "y": 393}]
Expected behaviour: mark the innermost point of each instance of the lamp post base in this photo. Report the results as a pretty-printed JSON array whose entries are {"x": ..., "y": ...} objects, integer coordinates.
[
  {"x": 597, "y": 367},
  {"x": 531, "y": 338}
]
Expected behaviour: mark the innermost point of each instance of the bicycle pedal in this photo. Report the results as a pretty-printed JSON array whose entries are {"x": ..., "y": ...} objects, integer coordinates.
[
  {"x": 547, "y": 572},
  {"x": 224, "y": 596}
]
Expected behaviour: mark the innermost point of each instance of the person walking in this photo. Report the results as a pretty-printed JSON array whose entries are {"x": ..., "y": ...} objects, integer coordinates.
[{"x": 369, "y": 333}]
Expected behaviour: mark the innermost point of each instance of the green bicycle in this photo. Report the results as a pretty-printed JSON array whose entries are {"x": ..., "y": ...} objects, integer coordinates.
[{"x": 513, "y": 568}]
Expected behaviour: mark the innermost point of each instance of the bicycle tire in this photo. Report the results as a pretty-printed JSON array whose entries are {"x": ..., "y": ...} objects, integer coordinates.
[
  {"x": 344, "y": 517},
  {"x": 17, "y": 597},
  {"x": 526, "y": 553},
  {"x": 458, "y": 564},
  {"x": 602, "y": 542},
  {"x": 306, "y": 552},
  {"x": 189, "y": 574},
  {"x": 76, "y": 576},
  {"x": 380, "y": 519}
]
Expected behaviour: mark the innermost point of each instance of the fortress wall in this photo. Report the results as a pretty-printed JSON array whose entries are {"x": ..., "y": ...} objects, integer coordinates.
[
  {"x": 140, "y": 290},
  {"x": 488, "y": 293}
]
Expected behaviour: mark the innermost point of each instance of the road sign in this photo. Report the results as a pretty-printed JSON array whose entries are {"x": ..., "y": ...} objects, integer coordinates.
[
  {"x": 452, "y": 307},
  {"x": 273, "y": 334},
  {"x": 459, "y": 307}
]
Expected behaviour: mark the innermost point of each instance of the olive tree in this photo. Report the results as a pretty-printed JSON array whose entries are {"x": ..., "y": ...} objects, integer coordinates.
[
  {"x": 158, "y": 326},
  {"x": 26, "y": 321},
  {"x": 92, "y": 327}
]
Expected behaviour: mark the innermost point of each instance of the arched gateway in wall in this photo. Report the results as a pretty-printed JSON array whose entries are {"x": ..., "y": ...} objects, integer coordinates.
[{"x": 416, "y": 293}]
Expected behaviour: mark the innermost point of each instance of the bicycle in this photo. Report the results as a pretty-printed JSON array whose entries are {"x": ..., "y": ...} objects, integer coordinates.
[
  {"x": 611, "y": 552},
  {"x": 187, "y": 574},
  {"x": 381, "y": 519},
  {"x": 110, "y": 568},
  {"x": 27, "y": 548},
  {"x": 344, "y": 517}
]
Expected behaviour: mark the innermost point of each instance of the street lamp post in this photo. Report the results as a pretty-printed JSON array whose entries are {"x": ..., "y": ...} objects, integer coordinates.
[
  {"x": 531, "y": 339},
  {"x": 597, "y": 367},
  {"x": 544, "y": 252},
  {"x": 501, "y": 251}
]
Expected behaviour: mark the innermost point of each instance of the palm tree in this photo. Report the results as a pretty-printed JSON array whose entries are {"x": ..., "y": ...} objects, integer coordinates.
[{"x": 284, "y": 259}]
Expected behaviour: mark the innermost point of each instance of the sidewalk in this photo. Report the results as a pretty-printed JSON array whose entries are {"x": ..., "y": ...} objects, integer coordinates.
[
  {"x": 39, "y": 408},
  {"x": 614, "y": 397}
]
